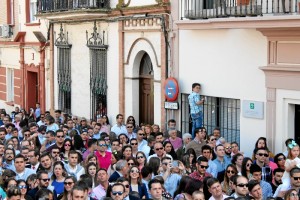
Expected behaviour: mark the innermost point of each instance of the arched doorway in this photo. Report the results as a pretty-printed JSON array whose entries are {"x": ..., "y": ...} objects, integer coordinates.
[{"x": 146, "y": 108}]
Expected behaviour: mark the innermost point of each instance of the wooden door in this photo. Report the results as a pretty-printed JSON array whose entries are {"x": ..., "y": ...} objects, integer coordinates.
[
  {"x": 32, "y": 89},
  {"x": 146, "y": 101}
]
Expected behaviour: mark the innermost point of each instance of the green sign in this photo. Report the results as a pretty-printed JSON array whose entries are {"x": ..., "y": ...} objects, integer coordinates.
[{"x": 252, "y": 106}]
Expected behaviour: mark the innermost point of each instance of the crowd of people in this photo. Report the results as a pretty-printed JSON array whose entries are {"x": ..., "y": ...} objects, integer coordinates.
[{"x": 64, "y": 157}]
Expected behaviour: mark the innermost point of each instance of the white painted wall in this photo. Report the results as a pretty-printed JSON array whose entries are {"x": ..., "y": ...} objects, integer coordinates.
[
  {"x": 226, "y": 63},
  {"x": 81, "y": 67},
  {"x": 141, "y": 2}
]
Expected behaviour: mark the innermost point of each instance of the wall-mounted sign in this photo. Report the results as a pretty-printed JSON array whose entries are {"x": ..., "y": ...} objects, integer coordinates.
[
  {"x": 253, "y": 109},
  {"x": 171, "y": 89},
  {"x": 171, "y": 105}
]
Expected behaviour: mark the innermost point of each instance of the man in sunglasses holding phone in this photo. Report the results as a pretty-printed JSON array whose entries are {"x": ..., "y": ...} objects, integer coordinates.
[
  {"x": 262, "y": 160},
  {"x": 200, "y": 173}
]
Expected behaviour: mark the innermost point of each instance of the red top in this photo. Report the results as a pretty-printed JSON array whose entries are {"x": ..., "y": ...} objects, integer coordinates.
[{"x": 104, "y": 161}]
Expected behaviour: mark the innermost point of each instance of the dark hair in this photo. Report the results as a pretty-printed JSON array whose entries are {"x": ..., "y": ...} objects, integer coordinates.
[
  {"x": 50, "y": 119},
  {"x": 182, "y": 185},
  {"x": 212, "y": 181},
  {"x": 107, "y": 120},
  {"x": 78, "y": 142},
  {"x": 288, "y": 141},
  {"x": 195, "y": 85},
  {"x": 153, "y": 181},
  {"x": 235, "y": 157},
  {"x": 70, "y": 141},
  {"x": 294, "y": 170},
  {"x": 278, "y": 170},
  {"x": 117, "y": 184},
  {"x": 257, "y": 149},
  {"x": 255, "y": 168},
  {"x": 265, "y": 140},
  {"x": 5, "y": 185},
  {"x": 201, "y": 159},
  {"x": 277, "y": 156},
  {"x": 192, "y": 151},
  {"x": 206, "y": 147},
  {"x": 52, "y": 133},
  {"x": 119, "y": 115},
  {"x": 64, "y": 173},
  {"x": 154, "y": 164},
  {"x": 131, "y": 122},
  {"x": 172, "y": 152},
  {"x": 146, "y": 170},
  {"x": 39, "y": 173},
  {"x": 252, "y": 184},
  {"x": 244, "y": 165},
  {"x": 20, "y": 156},
  {"x": 288, "y": 193},
  {"x": 13, "y": 192}
]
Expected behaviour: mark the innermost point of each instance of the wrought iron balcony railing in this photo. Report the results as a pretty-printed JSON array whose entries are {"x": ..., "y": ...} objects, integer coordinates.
[
  {"x": 66, "y": 5},
  {"x": 204, "y": 9}
]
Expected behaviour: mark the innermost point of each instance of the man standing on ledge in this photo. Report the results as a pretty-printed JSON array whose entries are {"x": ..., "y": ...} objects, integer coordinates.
[{"x": 196, "y": 104}]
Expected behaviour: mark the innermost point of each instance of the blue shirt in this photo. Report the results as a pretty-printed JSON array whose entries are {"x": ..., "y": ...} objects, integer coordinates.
[
  {"x": 212, "y": 169},
  {"x": 37, "y": 112},
  {"x": 24, "y": 175},
  {"x": 193, "y": 99},
  {"x": 58, "y": 186},
  {"x": 171, "y": 183},
  {"x": 221, "y": 166},
  {"x": 266, "y": 189}
]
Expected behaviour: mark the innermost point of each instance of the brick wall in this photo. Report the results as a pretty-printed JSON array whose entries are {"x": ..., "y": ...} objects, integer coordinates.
[{"x": 3, "y": 83}]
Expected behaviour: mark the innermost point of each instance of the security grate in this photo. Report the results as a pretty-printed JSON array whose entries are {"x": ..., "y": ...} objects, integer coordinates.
[{"x": 217, "y": 112}]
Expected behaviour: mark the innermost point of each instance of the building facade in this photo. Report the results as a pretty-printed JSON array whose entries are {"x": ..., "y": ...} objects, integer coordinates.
[
  {"x": 107, "y": 57},
  {"x": 245, "y": 55},
  {"x": 23, "y": 46}
]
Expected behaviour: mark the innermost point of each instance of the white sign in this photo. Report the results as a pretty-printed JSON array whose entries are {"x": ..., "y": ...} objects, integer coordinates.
[
  {"x": 171, "y": 105},
  {"x": 253, "y": 109}
]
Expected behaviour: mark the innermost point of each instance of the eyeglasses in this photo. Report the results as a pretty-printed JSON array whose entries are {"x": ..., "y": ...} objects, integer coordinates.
[
  {"x": 242, "y": 185},
  {"x": 55, "y": 152},
  {"x": 133, "y": 144},
  {"x": 117, "y": 193},
  {"x": 106, "y": 139},
  {"x": 130, "y": 163},
  {"x": 141, "y": 134},
  {"x": 126, "y": 186},
  {"x": 230, "y": 171},
  {"x": 213, "y": 139},
  {"x": 75, "y": 119},
  {"x": 68, "y": 183},
  {"x": 139, "y": 157},
  {"x": 60, "y": 136},
  {"x": 22, "y": 186},
  {"x": 102, "y": 145},
  {"x": 296, "y": 178},
  {"x": 294, "y": 195},
  {"x": 129, "y": 127},
  {"x": 249, "y": 164},
  {"x": 263, "y": 154},
  {"x": 135, "y": 171},
  {"x": 45, "y": 179},
  {"x": 202, "y": 166},
  {"x": 227, "y": 147},
  {"x": 26, "y": 135},
  {"x": 161, "y": 148},
  {"x": 67, "y": 145},
  {"x": 280, "y": 159}
]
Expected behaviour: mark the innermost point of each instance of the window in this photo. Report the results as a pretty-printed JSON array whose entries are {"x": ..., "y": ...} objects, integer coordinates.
[
  {"x": 217, "y": 112},
  {"x": 63, "y": 71},
  {"x": 33, "y": 10},
  {"x": 10, "y": 84}
]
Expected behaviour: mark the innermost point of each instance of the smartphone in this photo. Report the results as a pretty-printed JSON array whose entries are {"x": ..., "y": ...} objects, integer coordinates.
[{"x": 175, "y": 163}]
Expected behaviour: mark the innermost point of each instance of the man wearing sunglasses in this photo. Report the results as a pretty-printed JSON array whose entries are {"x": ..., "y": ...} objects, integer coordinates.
[
  {"x": 240, "y": 186},
  {"x": 262, "y": 160},
  {"x": 200, "y": 173},
  {"x": 159, "y": 151},
  {"x": 59, "y": 141},
  {"x": 130, "y": 134},
  {"x": 43, "y": 181},
  {"x": 117, "y": 191},
  {"x": 142, "y": 144}
]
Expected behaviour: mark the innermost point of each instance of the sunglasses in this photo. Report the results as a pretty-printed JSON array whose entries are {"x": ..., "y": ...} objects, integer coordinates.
[
  {"x": 106, "y": 139},
  {"x": 129, "y": 126},
  {"x": 22, "y": 186},
  {"x": 141, "y": 134},
  {"x": 68, "y": 183},
  {"x": 230, "y": 171},
  {"x": 161, "y": 148},
  {"x": 54, "y": 152},
  {"x": 280, "y": 159},
  {"x": 60, "y": 136},
  {"x": 26, "y": 135},
  {"x": 117, "y": 193},
  {"x": 227, "y": 147},
  {"x": 126, "y": 186},
  {"x": 213, "y": 139},
  {"x": 202, "y": 166},
  {"x": 263, "y": 154},
  {"x": 134, "y": 144},
  {"x": 242, "y": 185},
  {"x": 296, "y": 178},
  {"x": 139, "y": 157},
  {"x": 248, "y": 165},
  {"x": 68, "y": 145},
  {"x": 130, "y": 163},
  {"x": 102, "y": 145},
  {"x": 45, "y": 179},
  {"x": 135, "y": 171}
]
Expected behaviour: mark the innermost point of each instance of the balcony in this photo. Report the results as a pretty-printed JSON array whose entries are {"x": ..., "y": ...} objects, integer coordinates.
[
  {"x": 206, "y": 9},
  {"x": 47, "y": 6}
]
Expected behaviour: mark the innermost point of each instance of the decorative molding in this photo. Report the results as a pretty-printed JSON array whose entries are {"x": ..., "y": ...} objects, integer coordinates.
[
  {"x": 133, "y": 45},
  {"x": 96, "y": 41},
  {"x": 62, "y": 40},
  {"x": 271, "y": 94},
  {"x": 143, "y": 22}
]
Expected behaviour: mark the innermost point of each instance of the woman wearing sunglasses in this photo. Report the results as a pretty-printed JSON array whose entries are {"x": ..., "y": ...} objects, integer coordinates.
[
  {"x": 23, "y": 188},
  {"x": 245, "y": 169},
  {"x": 226, "y": 184},
  {"x": 68, "y": 186},
  {"x": 141, "y": 159},
  {"x": 67, "y": 147},
  {"x": 135, "y": 182}
]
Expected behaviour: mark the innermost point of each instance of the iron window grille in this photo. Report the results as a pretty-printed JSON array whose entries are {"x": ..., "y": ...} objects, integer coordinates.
[
  {"x": 217, "y": 112},
  {"x": 63, "y": 71},
  {"x": 98, "y": 73}
]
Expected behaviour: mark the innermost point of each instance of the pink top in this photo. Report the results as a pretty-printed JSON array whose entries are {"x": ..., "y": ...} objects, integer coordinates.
[
  {"x": 177, "y": 143},
  {"x": 104, "y": 161}
]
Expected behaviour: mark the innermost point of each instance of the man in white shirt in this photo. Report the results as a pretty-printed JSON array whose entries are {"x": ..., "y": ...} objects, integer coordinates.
[
  {"x": 142, "y": 144},
  {"x": 119, "y": 127},
  {"x": 215, "y": 188},
  {"x": 73, "y": 168}
]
